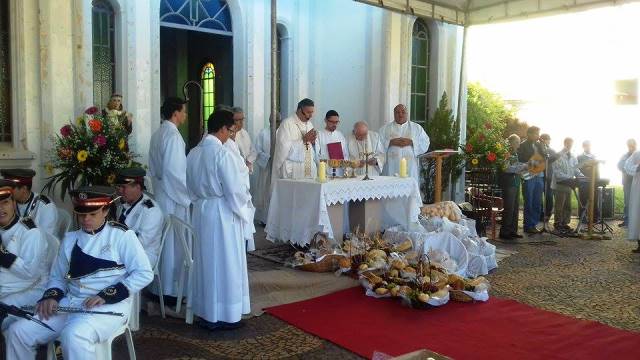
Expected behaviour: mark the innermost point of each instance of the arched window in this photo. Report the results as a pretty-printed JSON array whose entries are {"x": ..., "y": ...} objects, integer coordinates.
[
  {"x": 208, "y": 83},
  {"x": 5, "y": 75},
  {"x": 420, "y": 73},
  {"x": 104, "y": 59}
]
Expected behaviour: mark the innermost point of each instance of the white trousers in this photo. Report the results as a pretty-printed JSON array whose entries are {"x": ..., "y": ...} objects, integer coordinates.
[
  {"x": 24, "y": 298},
  {"x": 77, "y": 333}
]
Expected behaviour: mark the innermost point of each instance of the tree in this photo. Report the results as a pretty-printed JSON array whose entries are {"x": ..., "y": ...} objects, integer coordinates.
[{"x": 444, "y": 133}]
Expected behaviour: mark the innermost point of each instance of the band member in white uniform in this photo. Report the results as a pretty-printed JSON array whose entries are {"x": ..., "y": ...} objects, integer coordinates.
[
  {"x": 24, "y": 256},
  {"x": 97, "y": 268},
  {"x": 30, "y": 204}
]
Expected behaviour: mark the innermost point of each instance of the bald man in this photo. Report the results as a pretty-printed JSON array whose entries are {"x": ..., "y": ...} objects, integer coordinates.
[
  {"x": 362, "y": 141},
  {"x": 406, "y": 139}
]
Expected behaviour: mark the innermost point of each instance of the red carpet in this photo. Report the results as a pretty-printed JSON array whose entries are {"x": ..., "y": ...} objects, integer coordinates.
[{"x": 497, "y": 329}]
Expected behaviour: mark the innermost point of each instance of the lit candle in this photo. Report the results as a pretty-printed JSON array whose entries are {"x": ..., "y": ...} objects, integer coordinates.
[
  {"x": 322, "y": 172},
  {"x": 403, "y": 167}
]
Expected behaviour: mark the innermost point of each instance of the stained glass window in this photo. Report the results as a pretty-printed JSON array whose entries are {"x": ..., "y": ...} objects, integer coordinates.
[
  {"x": 208, "y": 82},
  {"x": 420, "y": 73},
  {"x": 5, "y": 74},
  {"x": 104, "y": 65},
  {"x": 205, "y": 15}
]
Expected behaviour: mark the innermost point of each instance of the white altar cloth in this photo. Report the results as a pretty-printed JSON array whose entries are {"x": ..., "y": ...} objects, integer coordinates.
[{"x": 300, "y": 208}]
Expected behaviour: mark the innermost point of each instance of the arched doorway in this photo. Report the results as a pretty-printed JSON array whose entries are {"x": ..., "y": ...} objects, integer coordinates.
[{"x": 196, "y": 44}]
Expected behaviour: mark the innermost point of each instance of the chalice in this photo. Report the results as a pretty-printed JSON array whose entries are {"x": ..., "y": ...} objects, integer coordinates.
[{"x": 334, "y": 163}]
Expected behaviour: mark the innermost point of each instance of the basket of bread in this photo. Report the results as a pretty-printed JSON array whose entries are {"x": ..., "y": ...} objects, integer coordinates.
[
  {"x": 320, "y": 257},
  {"x": 443, "y": 209},
  {"x": 468, "y": 290}
]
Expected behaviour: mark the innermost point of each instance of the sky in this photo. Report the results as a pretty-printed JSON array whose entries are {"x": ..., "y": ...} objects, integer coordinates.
[{"x": 564, "y": 68}]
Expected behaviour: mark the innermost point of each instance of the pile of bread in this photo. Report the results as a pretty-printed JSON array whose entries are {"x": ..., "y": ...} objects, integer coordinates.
[{"x": 444, "y": 209}]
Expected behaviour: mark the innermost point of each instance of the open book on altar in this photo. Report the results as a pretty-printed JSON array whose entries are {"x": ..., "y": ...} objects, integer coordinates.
[{"x": 335, "y": 151}]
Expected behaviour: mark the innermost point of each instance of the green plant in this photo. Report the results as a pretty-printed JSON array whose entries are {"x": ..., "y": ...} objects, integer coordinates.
[{"x": 444, "y": 133}]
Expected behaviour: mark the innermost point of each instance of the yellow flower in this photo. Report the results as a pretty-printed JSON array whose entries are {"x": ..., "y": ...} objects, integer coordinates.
[
  {"x": 48, "y": 167},
  {"x": 80, "y": 120},
  {"x": 111, "y": 179},
  {"x": 474, "y": 161},
  {"x": 82, "y": 155},
  {"x": 121, "y": 144},
  {"x": 499, "y": 146}
]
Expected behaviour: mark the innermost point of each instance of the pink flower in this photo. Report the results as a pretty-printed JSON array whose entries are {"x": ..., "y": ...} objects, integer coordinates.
[
  {"x": 66, "y": 131},
  {"x": 100, "y": 140},
  {"x": 92, "y": 110}
]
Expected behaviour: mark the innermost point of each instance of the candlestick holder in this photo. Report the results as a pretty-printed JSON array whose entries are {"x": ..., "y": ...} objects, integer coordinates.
[{"x": 366, "y": 164}]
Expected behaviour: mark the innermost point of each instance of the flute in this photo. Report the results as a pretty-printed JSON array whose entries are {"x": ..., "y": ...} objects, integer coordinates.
[{"x": 75, "y": 310}]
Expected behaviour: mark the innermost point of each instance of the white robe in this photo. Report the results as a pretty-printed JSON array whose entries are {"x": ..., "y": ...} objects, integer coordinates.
[
  {"x": 248, "y": 228},
  {"x": 394, "y": 154},
  {"x": 43, "y": 212},
  {"x": 247, "y": 151},
  {"x": 326, "y": 137},
  {"x": 146, "y": 219},
  {"x": 371, "y": 144},
  {"x": 167, "y": 169},
  {"x": 221, "y": 283},
  {"x": 22, "y": 283},
  {"x": 292, "y": 157},
  {"x": 631, "y": 168},
  {"x": 260, "y": 188}
]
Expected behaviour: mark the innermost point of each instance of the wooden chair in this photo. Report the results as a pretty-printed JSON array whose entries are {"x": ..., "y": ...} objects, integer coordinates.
[{"x": 486, "y": 208}]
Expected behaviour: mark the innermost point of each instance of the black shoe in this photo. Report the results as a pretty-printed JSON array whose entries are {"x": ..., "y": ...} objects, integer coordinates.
[
  {"x": 516, "y": 236},
  {"x": 506, "y": 237}
]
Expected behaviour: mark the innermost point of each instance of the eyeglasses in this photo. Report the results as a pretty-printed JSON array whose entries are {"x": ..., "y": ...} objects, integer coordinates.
[{"x": 231, "y": 130}]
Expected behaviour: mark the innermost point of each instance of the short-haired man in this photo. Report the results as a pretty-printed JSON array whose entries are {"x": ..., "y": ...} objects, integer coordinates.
[
  {"x": 296, "y": 150},
  {"x": 532, "y": 187},
  {"x": 361, "y": 141},
  {"x": 564, "y": 168},
  {"x": 24, "y": 256},
  {"x": 99, "y": 268},
  {"x": 168, "y": 169},
  {"x": 139, "y": 212},
  {"x": 510, "y": 184},
  {"x": 220, "y": 200},
  {"x": 626, "y": 179},
  {"x": 31, "y": 204},
  {"x": 550, "y": 156},
  {"x": 332, "y": 144}
]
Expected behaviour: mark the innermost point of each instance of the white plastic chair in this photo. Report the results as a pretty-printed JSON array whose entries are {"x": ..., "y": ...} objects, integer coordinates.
[
  {"x": 166, "y": 227},
  {"x": 103, "y": 349},
  {"x": 52, "y": 248},
  {"x": 64, "y": 223},
  {"x": 184, "y": 233}
]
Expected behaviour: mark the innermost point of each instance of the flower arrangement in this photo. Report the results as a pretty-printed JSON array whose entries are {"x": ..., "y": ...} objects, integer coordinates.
[
  {"x": 486, "y": 149},
  {"x": 89, "y": 151}
]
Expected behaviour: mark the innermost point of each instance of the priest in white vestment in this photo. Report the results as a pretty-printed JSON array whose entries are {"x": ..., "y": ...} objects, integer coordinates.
[
  {"x": 168, "y": 172},
  {"x": 331, "y": 136},
  {"x": 243, "y": 139},
  {"x": 260, "y": 191},
  {"x": 362, "y": 141},
  {"x": 296, "y": 150},
  {"x": 221, "y": 284},
  {"x": 243, "y": 176},
  {"x": 403, "y": 139},
  {"x": 632, "y": 168}
]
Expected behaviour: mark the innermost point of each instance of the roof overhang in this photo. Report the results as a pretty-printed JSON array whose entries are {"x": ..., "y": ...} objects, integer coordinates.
[{"x": 475, "y": 12}]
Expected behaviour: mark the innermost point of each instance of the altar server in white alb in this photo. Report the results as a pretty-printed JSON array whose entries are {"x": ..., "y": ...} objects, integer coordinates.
[
  {"x": 331, "y": 141},
  {"x": 632, "y": 167},
  {"x": 362, "y": 141},
  {"x": 260, "y": 191},
  {"x": 243, "y": 139},
  {"x": 248, "y": 228},
  {"x": 168, "y": 169},
  {"x": 25, "y": 256},
  {"x": 220, "y": 200},
  {"x": 139, "y": 212},
  {"x": 403, "y": 139},
  {"x": 296, "y": 150},
  {"x": 31, "y": 204},
  {"x": 97, "y": 268}
]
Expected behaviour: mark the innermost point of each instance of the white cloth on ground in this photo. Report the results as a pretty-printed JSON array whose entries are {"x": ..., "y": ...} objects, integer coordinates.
[
  {"x": 167, "y": 169},
  {"x": 221, "y": 285}
]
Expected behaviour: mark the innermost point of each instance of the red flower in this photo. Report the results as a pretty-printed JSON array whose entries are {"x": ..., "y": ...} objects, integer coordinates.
[
  {"x": 66, "y": 131},
  {"x": 95, "y": 125},
  {"x": 481, "y": 137},
  {"x": 468, "y": 148},
  {"x": 92, "y": 110},
  {"x": 100, "y": 140},
  {"x": 488, "y": 125},
  {"x": 491, "y": 156}
]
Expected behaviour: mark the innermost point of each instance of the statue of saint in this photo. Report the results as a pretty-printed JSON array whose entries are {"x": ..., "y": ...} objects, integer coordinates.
[{"x": 115, "y": 113}]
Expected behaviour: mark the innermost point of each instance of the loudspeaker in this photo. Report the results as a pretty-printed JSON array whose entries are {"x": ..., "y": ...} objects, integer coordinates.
[{"x": 608, "y": 203}]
